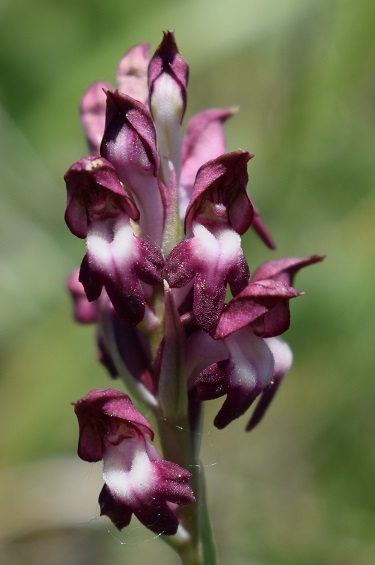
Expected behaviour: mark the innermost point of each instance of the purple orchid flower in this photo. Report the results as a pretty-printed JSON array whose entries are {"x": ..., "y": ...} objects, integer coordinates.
[
  {"x": 218, "y": 213},
  {"x": 137, "y": 480},
  {"x": 250, "y": 364},
  {"x": 99, "y": 210}
]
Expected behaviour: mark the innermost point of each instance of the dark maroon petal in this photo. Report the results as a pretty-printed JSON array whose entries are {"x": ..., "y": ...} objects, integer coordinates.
[
  {"x": 158, "y": 517},
  {"x": 180, "y": 265},
  {"x": 92, "y": 112},
  {"x": 238, "y": 275},
  {"x": 209, "y": 301},
  {"x": 261, "y": 230},
  {"x": 213, "y": 382},
  {"x": 117, "y": 511},
  {"x": 91, "y": 281},
  {"x": 235, "y": 405},
  {"x": 284, "y": 270},
  {"x": 129, "y": 140},
  {"x": 134, "y": 349},
  {"x": 222, "y": 182},
  {"x": 127, "y": 298},
  {"x": 263, "y": 304},
  {"x": 150, "y": 267},
  {"x": 174, "y": 482}
]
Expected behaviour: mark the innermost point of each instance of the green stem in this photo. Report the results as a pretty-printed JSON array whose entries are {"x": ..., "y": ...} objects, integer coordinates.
[{"x": 177, "y": 446}]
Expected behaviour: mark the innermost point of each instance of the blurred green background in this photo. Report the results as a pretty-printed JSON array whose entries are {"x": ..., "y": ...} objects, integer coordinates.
[{"x": 300, "y": 488}]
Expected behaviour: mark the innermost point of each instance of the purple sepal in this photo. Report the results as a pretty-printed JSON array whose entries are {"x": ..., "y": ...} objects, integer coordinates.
[
  {"x": 129, "y": 140},
  {"x": 101, "y": 414},
  {"x": 263, "y": 305},
  {"x": 261, "y": 230},
  {"x": 94, "y": 192},
  {"x": 92, "y": 111},
  {"x": 132, "y": 70},
  {"x": 219, "y": 194},
  {"x": 85, "y": 312},
  {"x": 284, "y": 270},
  {"x": 129, "y": 143},
  {"x": 168, "y": 61},
  {"x": 203, "y": 141}
]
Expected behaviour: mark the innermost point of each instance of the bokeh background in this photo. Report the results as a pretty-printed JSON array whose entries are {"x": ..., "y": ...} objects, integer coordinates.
[{"x": 300, "y": 489}]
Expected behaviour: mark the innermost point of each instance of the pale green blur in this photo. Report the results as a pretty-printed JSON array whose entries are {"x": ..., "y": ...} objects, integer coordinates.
[{"x": 299, "y": 490}]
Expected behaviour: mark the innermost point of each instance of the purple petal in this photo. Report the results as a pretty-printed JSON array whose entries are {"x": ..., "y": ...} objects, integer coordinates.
[
  {"x": 101, "y": 412},
  {"x": 132, "y": 72},
  {"x": 242, "y": 376},
  {"x": 117, "y": 260},
  {"x": 222, "y": 183},
  {"x": 168, "y": 75},
  {"x": 129, "y": 143},
  {"x": 261, "y": 230},
  {"x": 204, "y": 140},
  {"x": 92, "y": 110},
  {"x": 284, "y": 270},
  {"x": 283, "y": 361},
  {"x": 85, "y": 312},
  {"x": 262, "y": 304},
  {"x": 139, "y": 481},
  {"x": 94, "y": 192},
  {"x": 119, "y": 513},
  {"x": 168, "y": 61}
]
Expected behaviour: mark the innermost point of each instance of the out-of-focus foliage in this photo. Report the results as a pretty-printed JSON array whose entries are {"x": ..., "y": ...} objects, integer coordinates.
[{"x": 299, "y": 489}]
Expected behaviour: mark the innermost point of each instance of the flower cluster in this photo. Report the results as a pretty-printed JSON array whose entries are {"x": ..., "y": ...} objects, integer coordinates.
[{"x": 163, "y": 215}]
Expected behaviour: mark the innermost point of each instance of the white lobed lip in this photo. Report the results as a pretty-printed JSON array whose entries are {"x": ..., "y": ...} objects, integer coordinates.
[{"x": 127, "y": 470}]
